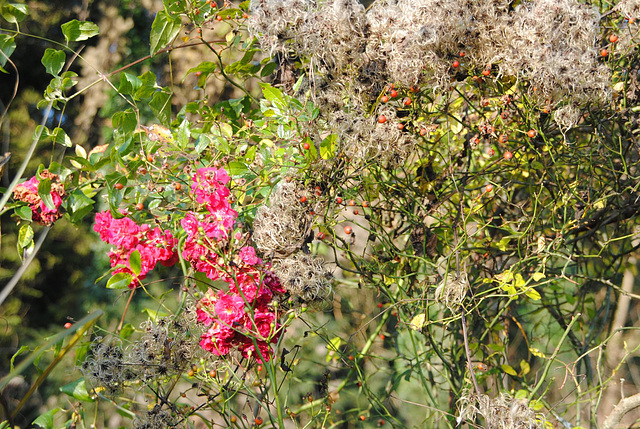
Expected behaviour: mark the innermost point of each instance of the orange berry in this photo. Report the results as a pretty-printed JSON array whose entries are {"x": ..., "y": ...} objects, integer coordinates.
[
  {"x": 139, "y": 206},
  {"x": 365, "y": 204},
  {"x": 348, "y": 230},
  {"x": 508, "y": 155},
  {"x": 531, "y": 133},
  {"x": 407, "y": 101},
  {"x": 400, "y": 126},
  {"x": 219, "y": 18},
  {"x": 423, "y": 131},
  {"x": 118, "y": 186},
  {"x": 491, "y": 152},
  {"x": 604, "y": 53},
  {"x": 259, "y": 368},
  {"x": 488, "y": 188},
  {"x": 245, "y": 16},
  {"x": 393, "y": 93},
  {"x": 381, "y": 336},
  {"x": 177, "y": 186},
  {"x": 362, "y": 418},
  {"x": 503, "y": 138},
  {"x": 259, "y": 420},
  {"x": 414, "y": 89},
  {"x": 486, "y": 72},
  {"x": 385, "y": 98},
  {"x": 504, "y": 115},
  {"x": 352, "y": 202},
  {"x": 67, "y": 325},
  {"x": 351, "y": 357},
  {"x": 613, "y": 38},
  {"x": 382, "y": 119}
]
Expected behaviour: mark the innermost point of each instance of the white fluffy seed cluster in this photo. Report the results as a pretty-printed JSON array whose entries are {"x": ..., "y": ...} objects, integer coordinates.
[
  {"x": 281, "y": 227},
  {"x": 305, "y": 277},
  {"x": 502, "y": 412},
  {"x": 156, "y": 418},
  {"x": 551, "y": 44}
]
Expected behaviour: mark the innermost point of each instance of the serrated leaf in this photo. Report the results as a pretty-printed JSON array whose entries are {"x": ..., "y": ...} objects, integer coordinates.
[
  {"x": 78, "y": 390},
  {"x": 135, "y": 262},
  {"x": 53, "y": 61},
  {"x": 164, "y": 29},
  {"x": 119, "y": 281},
  {"x": 161, "y": 106},
  {"x": 509, "y": 370},
  {"x": 77, "y": 31},
  {"x": 14, "y": 12}
]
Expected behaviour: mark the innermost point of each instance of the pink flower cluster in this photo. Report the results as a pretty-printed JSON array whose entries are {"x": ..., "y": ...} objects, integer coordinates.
[
  {"x": 207, "y": 232},
  {"x": 242, "y": 318},
  {"x": 28, "y": 192},
  {"x": 154, "y": 245}
]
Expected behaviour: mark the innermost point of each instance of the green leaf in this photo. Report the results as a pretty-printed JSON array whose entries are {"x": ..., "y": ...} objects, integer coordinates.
[
  {"x": 77, "y": 31},
  {"x": 164, "y": 29},
  {"x": 53, "y": 61},
  {"x": 272, "y": 94},
  {"x": 61, "y": 137},
  {"x": 78, "y": 390},
  {"x": 125, "y": 121},
  {"x": 205, "y": 67},
  {"x": 14, "y": 12},
  {"x": 20, "y": 351},
  {"x": 46, "y": 420},
  {"x": 237, "y": 168},
  {"x": 78, "y": 205},
  {"x": 7, "y": 46},
  {"x": 129, "y": 83},
  {"x": 135, "y": 262},
  {"x": 44, "y": 192},
  {"x": 25, "y": 236},
  {"x": 268, "y": 69},
  {"x": 161, "y": 106},
  {"x": 24, "y": 213},
  {"x": 509, "y": 370},
  {"x": 119, "y": 281},
  {"x": 126, "y": 331}
]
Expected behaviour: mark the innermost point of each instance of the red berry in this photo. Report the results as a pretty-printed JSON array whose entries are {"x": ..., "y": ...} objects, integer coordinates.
[
  {"x": 259, "y": 420},
  {"x": 380, "y": 305},
  {"x": 306, "y": 146},
  {"x": 604, "y": 53},
  {"x": 384, "y": 98},
  {"x": 245, "y": 16},
  {"x": 393, "y": 93},
  {"x": 508, "y": 155},
  {"x": 303, "y": 199},
  {"x": 455, "y": 64},
  {"x": 119, "y": 186},
  {"x": 423, "y": 131},
  {"x": 259, "y": 368},
  {"x": 462, "y": 53},
  {"x": 613, "y": 38},
  {"x": 219, "y": 18},
  {"x": 407, "y": 101},
  {"x": 400, "y": 126},
  {"x": 362, "y": 418},
  {"x": 382, "y": 119},
  {"x": 488, "y": 188},
  {"x": 491, "y": 152},
  {"x": 531, "y": 133},
  {"x": 486, "y": 72},
  {"x": 67, "y": 325},
  {"x": 414, "y": 89},
  {"x": 339, "y": 200},
  {"x": 320, "y": 235},
  {"x": 504, "y": 115},
  {"x": 348, "y": 230},
  {"x": 356, "y": 212}
]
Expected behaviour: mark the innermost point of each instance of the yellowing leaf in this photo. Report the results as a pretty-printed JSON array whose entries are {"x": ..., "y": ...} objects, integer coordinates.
[
  {"x": 536, "y": 352},
  {"x": 418, "y": 322},
  {"x": 524, "y": 367},
  {"x": 537, "y": 276},
  {"x": 509, "y": 370},
  {"x": 533, "y": 294}
]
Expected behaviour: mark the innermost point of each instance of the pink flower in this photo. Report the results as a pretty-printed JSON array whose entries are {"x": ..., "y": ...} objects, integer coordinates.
[
  {"x": 248, "y": 256},
  {"x": 262, "y": 325},
  {"x": 230, "y": 309},
  {"x": 209, "y": 188}
]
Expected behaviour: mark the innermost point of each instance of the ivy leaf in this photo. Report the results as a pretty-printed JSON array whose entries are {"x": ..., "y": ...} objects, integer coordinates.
[
  {"x": 14, "y": 12},
  {"x": 77, "y": 31},
  {"x": 7, "y": 46},
  {"x": 53, "y": 61},
  {"x": 163, "y": 30}
]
